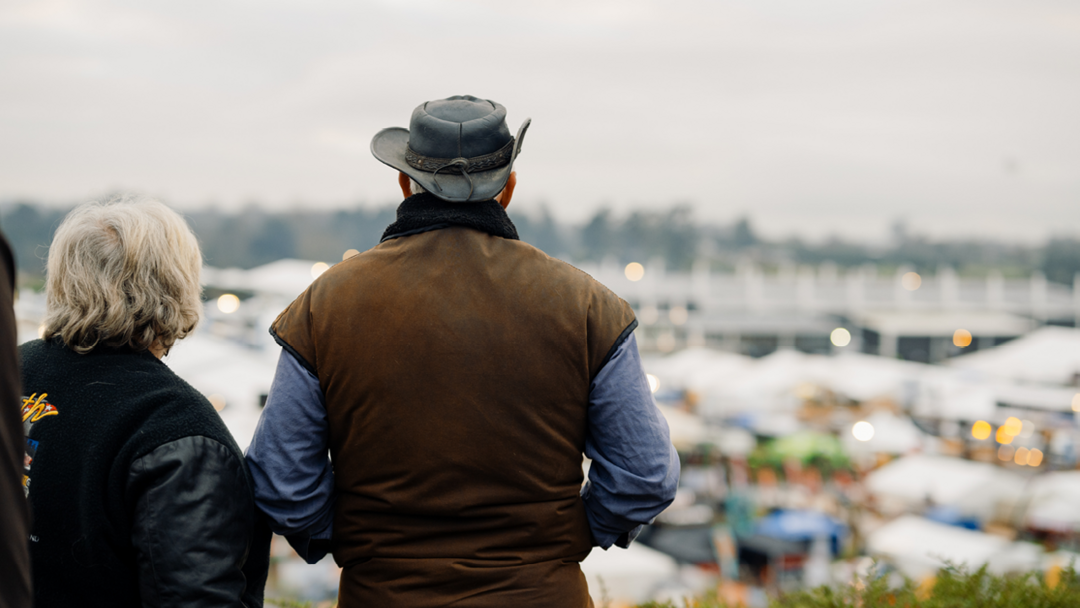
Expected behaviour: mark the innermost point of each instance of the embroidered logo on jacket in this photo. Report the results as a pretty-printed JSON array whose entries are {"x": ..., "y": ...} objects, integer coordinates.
[{"x": 34, "y": 408}]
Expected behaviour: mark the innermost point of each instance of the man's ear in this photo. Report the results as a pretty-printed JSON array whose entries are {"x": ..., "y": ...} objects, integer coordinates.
[
  {"x": 406, "y": 187},
  {"x": 507, "y": 193}
]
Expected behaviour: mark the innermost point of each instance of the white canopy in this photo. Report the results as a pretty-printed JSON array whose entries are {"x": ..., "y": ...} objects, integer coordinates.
[
  {"x": 919, "y": 547},
  {"x": 221, "y": 367},
  {"x": 286, "y": 278},
  {"x": 1053, "y": 502},
  {"x": 972, "y": 487},
  {"x": 730, "y": 384},
  {"x": 627, "y": 576},
  {"x": 892, "y": 435},
  {"x": 1049, "y": 355}
]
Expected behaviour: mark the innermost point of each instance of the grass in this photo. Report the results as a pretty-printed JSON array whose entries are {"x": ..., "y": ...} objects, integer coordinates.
[{"x": 952, "y": 588}]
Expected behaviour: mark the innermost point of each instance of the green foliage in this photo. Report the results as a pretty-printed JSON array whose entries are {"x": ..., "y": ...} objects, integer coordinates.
[
  {"x": 807, "y": 447},
  {"x": 252, "y": 237},
  {"x": 1061, "y": 260},
  {"x": 29, "y": 229},
  {"x": 671, "y": 235},
  {"x": 953, "y": 588}
]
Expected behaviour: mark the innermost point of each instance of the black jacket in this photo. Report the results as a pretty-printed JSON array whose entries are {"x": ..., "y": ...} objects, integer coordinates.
[
  {"x": 140, "y": 496},
  {"x": 14, "y": 525}
]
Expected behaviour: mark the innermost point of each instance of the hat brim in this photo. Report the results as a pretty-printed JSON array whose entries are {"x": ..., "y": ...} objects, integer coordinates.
[{"x": 389, "y": 146}]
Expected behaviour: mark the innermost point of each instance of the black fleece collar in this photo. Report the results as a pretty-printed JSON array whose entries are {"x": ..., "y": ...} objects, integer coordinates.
[{"x": 424, "y": 212}]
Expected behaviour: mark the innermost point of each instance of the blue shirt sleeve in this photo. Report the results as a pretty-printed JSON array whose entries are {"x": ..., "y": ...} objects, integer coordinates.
[
  {"x": 290, "y": 463},
  {"x": 635, "y": 469}
]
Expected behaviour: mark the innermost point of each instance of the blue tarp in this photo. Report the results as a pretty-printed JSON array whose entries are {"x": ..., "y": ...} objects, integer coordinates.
[
  {"x": 798, "y": 525},
  {"x": 951, "y": 516}
]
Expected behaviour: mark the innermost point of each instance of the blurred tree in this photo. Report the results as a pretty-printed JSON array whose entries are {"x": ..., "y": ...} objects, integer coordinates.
[
  {"x": 274, "y": 241},
  {"x": 743, "y": 235},
  {"x": 252, "y": 237},
  {"x": 597, "y": 237},
  {"x": 1061, "y": 260},
  {"x": 680, "y": 237},
  {"x": 541, "y": 231},
  {"x": 29, "y": 229}
]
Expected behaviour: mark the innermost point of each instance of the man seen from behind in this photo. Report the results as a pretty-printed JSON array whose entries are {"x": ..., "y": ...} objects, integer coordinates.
[{"x": 455, "y": 376}]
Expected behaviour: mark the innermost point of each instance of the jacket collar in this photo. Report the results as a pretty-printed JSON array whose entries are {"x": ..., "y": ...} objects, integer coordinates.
[{"x": 424, "y": 212}]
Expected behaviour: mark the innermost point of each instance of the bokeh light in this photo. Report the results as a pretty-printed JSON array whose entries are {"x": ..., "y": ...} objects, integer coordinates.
[
  {"x": 1012, "y": 426},
  {"x": 1005, "y": 453},
  {"x": 1076, "y": 402},
  {"x": 863, "y": 430},
  {"x": 666, "y": 342},
  {"x": 649, "y": 315},
  {"x": 654, "y": 382},
  {"x": 1021, "y": 457},
  {"x": 1035, "y": 458},
  {"x": 217, "y": 401},
  {"x": 228, "y": 303},
  {"x": 981, "y": 430},
  {"x": 911, "y": 281},
  {"x": 678, "y": 315},
  {"x": 840, "y": 337},
  {"x": 318, "y": 268},
  {"x": 634, "y": 271},
  {"x": 1003, "y": 436},
  {"x": 961, "y": 338},
  {"x": 349, "y": 253}
]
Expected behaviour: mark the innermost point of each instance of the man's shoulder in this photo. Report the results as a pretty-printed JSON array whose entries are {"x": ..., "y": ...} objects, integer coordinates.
[{"x": 557, "y": 267}]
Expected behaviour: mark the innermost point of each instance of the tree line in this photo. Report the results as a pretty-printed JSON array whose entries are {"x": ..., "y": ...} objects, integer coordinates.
[{"x": 252, "y": 237}]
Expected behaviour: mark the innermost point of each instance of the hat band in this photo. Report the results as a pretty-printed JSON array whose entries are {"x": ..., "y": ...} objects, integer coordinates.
[{"x": 461, "y": 165}]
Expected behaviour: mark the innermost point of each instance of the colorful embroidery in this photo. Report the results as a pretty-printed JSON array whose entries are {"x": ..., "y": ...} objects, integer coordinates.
[
  {"x": 34, "y": 408},
  {"x": 31, "y": 451}
]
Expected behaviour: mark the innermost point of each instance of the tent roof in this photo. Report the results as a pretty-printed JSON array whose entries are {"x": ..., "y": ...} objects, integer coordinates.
[
  {"x": 973, "y": 487},
  {"x": 282, "y": 278},
  {"x": 944, "y": 323},
  {"x": 918, "y": 547},
  {"x": 1049, "y": 355}
]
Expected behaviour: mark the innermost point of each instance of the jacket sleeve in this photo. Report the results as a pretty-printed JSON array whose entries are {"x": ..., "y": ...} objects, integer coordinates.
[
  {"x": 635, "y": 469},
  {"x": 193, "y": 519},
  {"x": 288, "y": 458}
]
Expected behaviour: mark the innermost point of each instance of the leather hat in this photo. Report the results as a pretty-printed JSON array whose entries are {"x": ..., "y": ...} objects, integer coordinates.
[{"x": 458, "y": 148}]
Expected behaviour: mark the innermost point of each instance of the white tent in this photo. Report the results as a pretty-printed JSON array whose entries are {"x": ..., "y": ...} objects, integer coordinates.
[
  {"x": 918, "y": 547},
  {"x": 221, "y": 368},
  {"x": 892, "y": 435},
  {"x": 1053, "y": 502},
  {"x": 687, "y": 430},
  {"x": 910, "y": 482},
  {"x": 1049, "y": 355},
  {"x": 286, "y": 278},
  {"x": 731, "y": 384},
  {"x": 627, "y": 576},
  {"x": 697, "y": 369}
]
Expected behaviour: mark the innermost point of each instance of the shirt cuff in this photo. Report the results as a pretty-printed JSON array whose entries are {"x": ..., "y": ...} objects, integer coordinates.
[{"x": 310, "y": 545}]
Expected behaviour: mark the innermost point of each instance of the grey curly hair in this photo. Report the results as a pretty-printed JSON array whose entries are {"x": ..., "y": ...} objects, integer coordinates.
[{"x": 122, "y": 273}]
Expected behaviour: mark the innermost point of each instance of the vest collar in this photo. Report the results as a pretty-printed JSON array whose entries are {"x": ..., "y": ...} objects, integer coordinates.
[{"x": 423, "y": 212}]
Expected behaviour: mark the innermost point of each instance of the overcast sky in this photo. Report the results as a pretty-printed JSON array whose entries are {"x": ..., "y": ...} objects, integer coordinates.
[{"x": 811, "y": 117}]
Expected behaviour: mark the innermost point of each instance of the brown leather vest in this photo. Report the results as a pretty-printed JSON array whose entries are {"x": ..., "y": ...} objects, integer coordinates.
[{"x": 456, "y": 368}]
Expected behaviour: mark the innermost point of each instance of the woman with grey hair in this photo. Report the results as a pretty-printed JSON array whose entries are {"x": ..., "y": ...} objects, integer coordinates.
[{"x": 139, "y": 495}]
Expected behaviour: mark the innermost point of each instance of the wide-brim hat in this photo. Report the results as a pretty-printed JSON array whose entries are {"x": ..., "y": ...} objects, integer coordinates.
[{"x": 459, "y": 148}]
